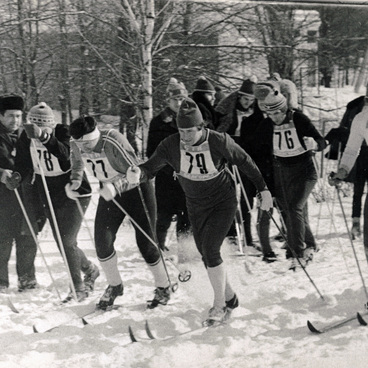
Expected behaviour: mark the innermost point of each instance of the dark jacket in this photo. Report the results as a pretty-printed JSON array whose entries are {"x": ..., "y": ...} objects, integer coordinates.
[
  {"x": 169, "y": 193},
  {"x": 207, "y": 110},
  {"x": 8, "y": 200},
  {"x": 58, "y": 145}
]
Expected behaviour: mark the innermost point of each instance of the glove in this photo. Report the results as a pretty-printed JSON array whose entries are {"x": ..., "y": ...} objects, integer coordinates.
[
  {"x": 266, "y": 200},
  {"x": 5, "y": 175},
  {"x": 133, "y": 175},
  {"x": 34, "y": 131},
  {"x": 12, "y": 182},
  {"x": 335, "y": 179},
  {"x": 71, "y": 189},
  {"x": 108, "y": 192}
]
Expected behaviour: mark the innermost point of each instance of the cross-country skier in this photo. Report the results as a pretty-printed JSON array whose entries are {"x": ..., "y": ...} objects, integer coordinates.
[
  {"x": 107, "y": 154},
  {"x": 43, "y": 151},
  {"x": 199, "y": 157}
]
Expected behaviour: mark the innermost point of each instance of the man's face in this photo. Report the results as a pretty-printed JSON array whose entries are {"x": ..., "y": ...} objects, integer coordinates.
[
  {"x": 210, "y": 97},
  {"x": 277, "y": 116},
  {"x": 190, "y": 136},
  {"x": 175, "y": 102},
  {"x": 12, "y": 120},
  {"x": 246, "y": 101}
]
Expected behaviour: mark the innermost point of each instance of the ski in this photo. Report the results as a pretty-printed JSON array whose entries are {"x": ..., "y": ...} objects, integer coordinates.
[
  {"x": 332, "y": 326},
  {"x": 10, "y": 304},
  {"x": 56, "y": 318},
  {"x": 151, "y": 337}
]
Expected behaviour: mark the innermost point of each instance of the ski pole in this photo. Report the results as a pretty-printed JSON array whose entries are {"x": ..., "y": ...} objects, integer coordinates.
[
  {"x": 117, "y": 204},
  {"x": 351, "y": 242},
  {"x": 295, "y": 256},
  {"x": 153, "y": 231},
  {"x": 35, "y": 239},
  {"x": 53, "y": 216}
]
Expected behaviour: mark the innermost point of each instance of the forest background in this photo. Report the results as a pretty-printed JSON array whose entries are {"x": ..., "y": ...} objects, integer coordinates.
[{"x": 115, "y": 57}]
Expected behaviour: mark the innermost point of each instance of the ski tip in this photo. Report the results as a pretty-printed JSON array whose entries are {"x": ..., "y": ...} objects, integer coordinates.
[
  {"x": 312, "y": 328},
  {"x": 148, "y": 331},
  {"x": 85, "y": 323},
  {"x": 11, "y": 306},
  {"x": 361, "y": 320},
  {"x": 34, "y": 329},
  {"x": 131, "y": 335}
]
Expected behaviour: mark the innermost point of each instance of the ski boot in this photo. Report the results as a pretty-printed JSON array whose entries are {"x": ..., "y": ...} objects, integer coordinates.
[
  {"x": 109, "y": 296},
  {"x": 216, "y": 316},
  {"x": 162, "y": 296},
  {"x": 90, "y": 276}
]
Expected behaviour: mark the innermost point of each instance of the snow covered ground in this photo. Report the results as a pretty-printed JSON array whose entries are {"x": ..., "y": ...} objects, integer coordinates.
[{"x": 269, "y": 329}]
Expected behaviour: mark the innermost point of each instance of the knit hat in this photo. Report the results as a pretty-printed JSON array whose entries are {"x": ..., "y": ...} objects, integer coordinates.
[
  {"x": 176, "y": 89},
  {"x": 273, "y": 103},
  {"x": 203, "y": 85},
  {"x": 266, "y": 88},
  {"x": 289, "y": 90},
  {"x": 247, "y": 88},
  {"x": 189, "y": 115},
  {"x": 11, "y": 102},
  {"x": 82, "y": 126},
  {"x": 41, "y": 115}
]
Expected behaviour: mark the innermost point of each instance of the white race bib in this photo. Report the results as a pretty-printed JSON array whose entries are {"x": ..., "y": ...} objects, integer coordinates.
[
  {"x": 49, "y": 163},
  {"x": 286, "y": 142}
]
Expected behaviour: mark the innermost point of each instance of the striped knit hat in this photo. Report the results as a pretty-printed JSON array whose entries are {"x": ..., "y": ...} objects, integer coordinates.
[
  {"x": 176, "y": 89},
  {"x": 269, "y": 96},
  {"x": 41, "y": 115}
]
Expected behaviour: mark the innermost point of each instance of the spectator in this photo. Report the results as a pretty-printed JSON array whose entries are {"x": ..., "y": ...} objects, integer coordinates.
[
  {"x": 13, "y": 226},
  {"x": 204, "y": 96},
  {"x": 169, "y": 194}
]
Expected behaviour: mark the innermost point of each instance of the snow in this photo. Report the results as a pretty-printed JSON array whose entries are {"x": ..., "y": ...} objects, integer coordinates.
[{"x": 269, "y": 329}]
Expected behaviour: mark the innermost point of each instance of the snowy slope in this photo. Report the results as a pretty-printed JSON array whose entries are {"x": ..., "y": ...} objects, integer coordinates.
[{"x": 269, "y": 329}]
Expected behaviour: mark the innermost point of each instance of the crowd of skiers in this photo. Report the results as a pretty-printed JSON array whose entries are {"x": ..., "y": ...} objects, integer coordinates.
[{"x": 211, "y": 158}]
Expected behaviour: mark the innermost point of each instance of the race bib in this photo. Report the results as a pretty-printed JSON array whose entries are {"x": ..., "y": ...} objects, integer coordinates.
[{"x": 42, "y": 157}]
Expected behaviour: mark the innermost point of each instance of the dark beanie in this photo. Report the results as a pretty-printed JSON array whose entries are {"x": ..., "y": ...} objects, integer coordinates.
[
  {"x": 11, "y": 102},
  {"x": 247, "y": 88},
  {"x": 203, "y": 85},
  {"x": 189, "y": 115},
  {"x": 82, "y": 126}
]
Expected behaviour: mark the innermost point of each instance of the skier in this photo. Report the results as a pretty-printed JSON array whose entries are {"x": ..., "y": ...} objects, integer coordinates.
[
  {"x": 199, "y": 157},
  {"x": 43, "y": 151},
  {"x": 287, "y": 130},
  {"x": 107, "y": 154},
  {"x": 11, "y": 217},
  {"x": 358, "y": 134}
]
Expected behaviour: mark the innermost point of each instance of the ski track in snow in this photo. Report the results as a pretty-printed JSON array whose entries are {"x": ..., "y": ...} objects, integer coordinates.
[{"x": 269, "y": 329}]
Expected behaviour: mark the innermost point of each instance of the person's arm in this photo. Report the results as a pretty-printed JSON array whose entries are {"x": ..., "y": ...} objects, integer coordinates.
[
  {"x": 356, "y": 138},
  {"x": 59, "y": 143},
  {"x": 76, "y": 163}
]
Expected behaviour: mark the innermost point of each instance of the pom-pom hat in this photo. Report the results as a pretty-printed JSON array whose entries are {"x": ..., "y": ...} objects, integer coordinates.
[
  {"x": 204, "y": 85},
  {"x": 41, "y": 115},
  {"x": 189, "y": 115},
  {"x": 176, "y": 89}
]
